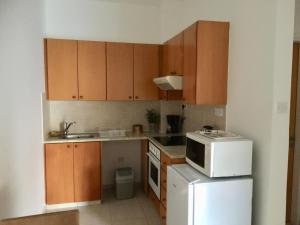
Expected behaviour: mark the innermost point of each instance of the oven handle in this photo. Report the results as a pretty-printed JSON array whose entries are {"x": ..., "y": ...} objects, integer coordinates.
[{"x": 153, "y": 158}]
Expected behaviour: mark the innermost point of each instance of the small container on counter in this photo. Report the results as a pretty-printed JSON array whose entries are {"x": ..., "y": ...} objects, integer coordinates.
[{"x": 137, "y": 129}]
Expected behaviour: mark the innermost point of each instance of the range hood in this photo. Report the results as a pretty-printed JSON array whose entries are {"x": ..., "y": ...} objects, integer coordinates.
[{"x": 169, "y": 82}]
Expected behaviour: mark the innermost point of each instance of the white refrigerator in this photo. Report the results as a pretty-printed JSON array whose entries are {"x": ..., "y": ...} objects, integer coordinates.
[{"x": 195, "y": 199}]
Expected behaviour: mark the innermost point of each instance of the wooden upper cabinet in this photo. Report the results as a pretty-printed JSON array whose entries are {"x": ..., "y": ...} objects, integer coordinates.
[
  {"x": 175, "y": 55},
  {"x": 92, "y": 70},
  {"x": 61, "y": 64},
  {"x": 59, "y": 173},
  {"x": 119, "y": 71},
  {"x": 87, "y": 171},
  {"x": 190, "y": 64},
  {"x": 206, "y": 63},
  {"x": 146, "y": 67},
  {"x": 212, "y": 62}
]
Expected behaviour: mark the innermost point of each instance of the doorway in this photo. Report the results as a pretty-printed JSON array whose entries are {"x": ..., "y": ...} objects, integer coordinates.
[{"x": 292, "y": 134}]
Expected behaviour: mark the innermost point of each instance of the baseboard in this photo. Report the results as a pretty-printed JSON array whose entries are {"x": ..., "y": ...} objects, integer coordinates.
[{"x": 68, "y": 206}]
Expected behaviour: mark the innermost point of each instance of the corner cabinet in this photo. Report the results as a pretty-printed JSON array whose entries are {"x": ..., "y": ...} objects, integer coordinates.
[
  {"x": 172, "y": 64},
  {"x": 72, "y": 172},
  {"x": 205, "y": 66},
  {"x": 75, "y": 70}
]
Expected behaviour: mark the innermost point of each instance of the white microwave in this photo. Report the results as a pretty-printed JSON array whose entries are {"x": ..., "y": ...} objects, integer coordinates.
[{"x": 219, "y": 154}]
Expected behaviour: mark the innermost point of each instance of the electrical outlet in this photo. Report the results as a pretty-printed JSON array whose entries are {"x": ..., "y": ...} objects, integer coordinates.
[{"x": 219, "y": 112}]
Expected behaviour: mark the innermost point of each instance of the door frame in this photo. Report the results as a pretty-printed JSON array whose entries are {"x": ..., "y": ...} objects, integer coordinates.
[{"x": 293, "y": 175}]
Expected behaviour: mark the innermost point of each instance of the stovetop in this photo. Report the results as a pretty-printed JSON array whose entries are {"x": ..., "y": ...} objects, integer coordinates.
[{"x": 171, "y": 140}]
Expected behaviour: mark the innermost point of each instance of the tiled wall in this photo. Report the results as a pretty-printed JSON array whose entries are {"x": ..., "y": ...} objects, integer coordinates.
[
  {"x": 94, "y": 115},
  {"x": 198, "y": 116}
]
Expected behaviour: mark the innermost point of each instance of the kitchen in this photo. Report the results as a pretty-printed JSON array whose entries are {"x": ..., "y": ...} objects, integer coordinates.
[
  {"x": 190, "y": 68},
  {"x": 245, "y": 96}
]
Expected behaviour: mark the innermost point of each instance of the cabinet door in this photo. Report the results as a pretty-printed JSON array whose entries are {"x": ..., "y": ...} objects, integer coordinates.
[
  {"x": 59, "y": 173},
  {"x": 87, "y": 171},
  {"x": 164, "y": 61},
  {"x": 175, "y": 55},
  {"x": 190, "y": 64},
  {"x": 119, "y": 71},
  {"x": 91, "y": 70},
  {"x": 146, "y": 67},
  {"x": 212, "y": 62},
  {"x": 61, "y": 63}
]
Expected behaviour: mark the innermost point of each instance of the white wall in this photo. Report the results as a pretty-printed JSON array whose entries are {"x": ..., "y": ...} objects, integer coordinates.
[
  {"x": 261, "y": 36},
  {"x": 297, "y": 21},
  {"x": 21, "y": 84},
  {"x": 124, "y": 21}
]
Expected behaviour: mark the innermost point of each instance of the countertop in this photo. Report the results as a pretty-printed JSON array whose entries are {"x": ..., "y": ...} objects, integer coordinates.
[{"x": 171, "y": 151}]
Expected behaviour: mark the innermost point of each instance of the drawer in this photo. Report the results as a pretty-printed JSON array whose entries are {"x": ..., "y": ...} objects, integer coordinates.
[
  {"x": 163, "y": 196},
  {"x": 164, "y": 161},
  {"x": 163, "y": 179},
  {"x": 163, "y": 214}
]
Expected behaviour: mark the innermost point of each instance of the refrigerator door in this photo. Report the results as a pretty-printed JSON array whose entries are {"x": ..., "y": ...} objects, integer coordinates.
[
  {"x": 179, "y": 199},
  {"x": 226, "y": 202}
]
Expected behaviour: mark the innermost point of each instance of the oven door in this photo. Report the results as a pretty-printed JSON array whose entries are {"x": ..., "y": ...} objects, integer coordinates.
[
  {"x": 154, "y": 174},
  {"x": 198, "y": 155}
]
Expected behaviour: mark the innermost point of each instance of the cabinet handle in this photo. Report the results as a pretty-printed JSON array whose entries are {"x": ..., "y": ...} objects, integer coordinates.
[
  {"x": 173, "y": 72},
  {"x": 164, "y": 199},
  {"x": 136, "y": 97},
  {"x": 68, "y": 146},
  {"x": 73, "y": 96},
  {"x": 130, "y": 97},
  {"x": 163, "y": 217},
  {"x": 75, "y": 146},
  {"x": 81, "y": 97}
]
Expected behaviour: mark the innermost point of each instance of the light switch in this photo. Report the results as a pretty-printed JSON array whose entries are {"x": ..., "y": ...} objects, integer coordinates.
[{"x": 281, "y": 107}]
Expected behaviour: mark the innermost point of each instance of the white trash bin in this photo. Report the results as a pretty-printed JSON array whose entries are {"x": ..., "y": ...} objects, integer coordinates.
[{"x": 124, "y": 183}]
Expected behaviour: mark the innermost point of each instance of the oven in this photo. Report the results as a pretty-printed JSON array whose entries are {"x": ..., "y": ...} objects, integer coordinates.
[{"x": 154, "y": 169}]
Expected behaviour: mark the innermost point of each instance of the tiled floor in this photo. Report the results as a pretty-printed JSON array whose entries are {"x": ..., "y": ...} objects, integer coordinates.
[{"x": 136, "y": 211}]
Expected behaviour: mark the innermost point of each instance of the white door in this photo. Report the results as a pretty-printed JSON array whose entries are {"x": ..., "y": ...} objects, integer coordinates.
[{"x": 179, "y": 200}]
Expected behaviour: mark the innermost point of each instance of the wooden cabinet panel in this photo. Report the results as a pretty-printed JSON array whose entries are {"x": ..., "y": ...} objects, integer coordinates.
[
  {"x": 163, "y": 179},
  {"x": 163, "y": 196},
  {"x": 61, "y": 63},
  {"x": 146, "y": 67},
  {"x": 190, "y": 64},
  {"x": 87, "y": 171},
  {"x": 144, "y": 156},
  {"x": 59, "y": 173},
  {"x": 164, "y": 59},
  {"x": 164, "y": 161},
  {"x": 119, "y": 71},
  {"x": 212, "y": 62},
  {"x": 163, "y": 214},
  {"x": 92, "y": 70},
  {"x": 175, "y": 55}
]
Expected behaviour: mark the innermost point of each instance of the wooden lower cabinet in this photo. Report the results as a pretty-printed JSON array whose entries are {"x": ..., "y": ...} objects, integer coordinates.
[
  {"x": 72, "y": 172},
  {"x": 87, "y": 171},
  {"x": 59, "y": 173},
  {"x": 164, "y": 162},
  {"x": 163, "y": 214}
]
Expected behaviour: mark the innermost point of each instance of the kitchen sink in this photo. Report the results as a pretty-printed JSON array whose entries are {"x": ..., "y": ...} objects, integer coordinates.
[{"x": 80, "y": 135}]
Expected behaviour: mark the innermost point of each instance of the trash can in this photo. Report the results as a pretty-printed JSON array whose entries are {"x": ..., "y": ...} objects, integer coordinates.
[{"x": 124, "y": 183}]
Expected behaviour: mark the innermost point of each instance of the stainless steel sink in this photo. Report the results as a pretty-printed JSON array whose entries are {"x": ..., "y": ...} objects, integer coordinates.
[{"x": 80, "y": 135}]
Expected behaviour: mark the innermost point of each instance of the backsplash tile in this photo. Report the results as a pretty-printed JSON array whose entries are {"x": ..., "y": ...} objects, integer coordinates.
[
  {"x": 91, "y": 116},
  {"x": 196, "y": 116},
  {"x": 96, "y": 115}
]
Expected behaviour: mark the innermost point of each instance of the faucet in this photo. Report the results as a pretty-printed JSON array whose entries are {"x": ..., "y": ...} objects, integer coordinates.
[{"x": 67, "y": 127}]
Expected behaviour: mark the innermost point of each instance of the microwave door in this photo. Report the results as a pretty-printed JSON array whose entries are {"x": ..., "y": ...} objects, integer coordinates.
[{"x": 197, "y": 155}]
